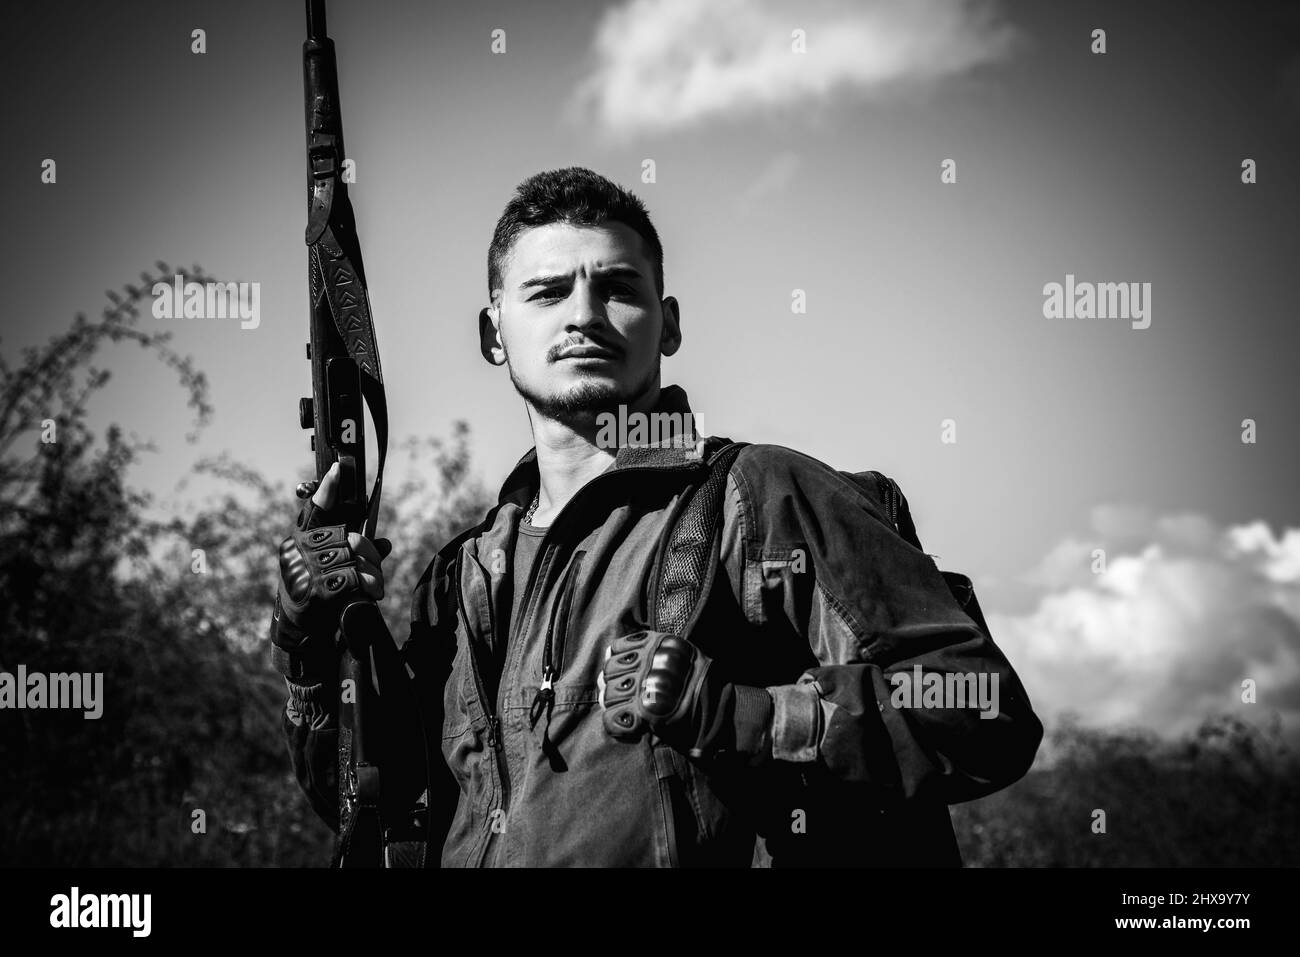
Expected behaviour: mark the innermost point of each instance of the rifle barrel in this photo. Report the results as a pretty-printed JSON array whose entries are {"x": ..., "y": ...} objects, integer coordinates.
[{"x": 316, "y": 19}]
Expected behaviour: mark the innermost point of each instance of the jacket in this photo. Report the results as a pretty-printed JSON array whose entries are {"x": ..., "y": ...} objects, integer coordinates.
[{"x": 815, "y": 597}]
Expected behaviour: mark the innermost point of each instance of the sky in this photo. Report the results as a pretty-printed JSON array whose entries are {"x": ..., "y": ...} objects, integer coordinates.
[{"x": 794, "y": 147}]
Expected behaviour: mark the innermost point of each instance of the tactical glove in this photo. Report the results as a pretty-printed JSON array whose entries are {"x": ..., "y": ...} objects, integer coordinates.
[
  {"x": 661, "y": 683},
  {"x": 320, "y": 575}
]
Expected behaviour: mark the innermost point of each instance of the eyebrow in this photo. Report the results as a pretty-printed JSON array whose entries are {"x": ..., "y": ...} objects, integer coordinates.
[{"x": 613, "y": 272}]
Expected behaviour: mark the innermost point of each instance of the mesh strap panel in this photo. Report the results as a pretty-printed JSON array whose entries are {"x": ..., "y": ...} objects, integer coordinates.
[{"x": 686, "y": 567}]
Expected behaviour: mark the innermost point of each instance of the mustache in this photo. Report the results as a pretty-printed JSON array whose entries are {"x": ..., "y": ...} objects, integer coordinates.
[{"x": 584, "y": 341}]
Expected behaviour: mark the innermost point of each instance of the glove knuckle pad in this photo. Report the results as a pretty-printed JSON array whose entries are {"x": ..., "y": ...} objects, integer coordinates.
[
  {"x": 337, "y": 582},
  {"x": 318, "y": 572}
]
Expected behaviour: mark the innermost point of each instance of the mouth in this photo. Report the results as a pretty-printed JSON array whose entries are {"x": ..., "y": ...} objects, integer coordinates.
[{"x": 587, "y": 352}]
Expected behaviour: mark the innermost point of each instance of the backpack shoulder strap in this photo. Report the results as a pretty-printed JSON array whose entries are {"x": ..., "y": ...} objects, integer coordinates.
[{"x": 689, "y": 556}]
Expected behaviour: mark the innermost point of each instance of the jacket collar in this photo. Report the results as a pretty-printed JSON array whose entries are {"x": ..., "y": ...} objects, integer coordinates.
[{"x": 523, "y": 481}]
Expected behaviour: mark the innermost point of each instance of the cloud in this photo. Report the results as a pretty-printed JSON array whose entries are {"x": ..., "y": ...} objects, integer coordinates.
[
  {"x": 1183, "y": 613},
  {"x": 667, "y": 64}
]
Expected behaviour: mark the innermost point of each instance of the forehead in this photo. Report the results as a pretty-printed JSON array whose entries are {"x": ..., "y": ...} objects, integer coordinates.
[{"x": 559, "y": 248}]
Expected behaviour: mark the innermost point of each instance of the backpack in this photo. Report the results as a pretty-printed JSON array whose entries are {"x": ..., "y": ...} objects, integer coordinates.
[
  {"x": 688, "y": 562},
  {"x": 688, "y": 559}
]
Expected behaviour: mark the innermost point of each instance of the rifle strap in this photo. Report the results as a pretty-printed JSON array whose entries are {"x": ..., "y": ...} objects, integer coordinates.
[{"x": 341, "y": 282}]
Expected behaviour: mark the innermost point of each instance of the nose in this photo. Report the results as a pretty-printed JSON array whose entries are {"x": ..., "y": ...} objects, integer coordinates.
[{"x": 588, "y": 307}]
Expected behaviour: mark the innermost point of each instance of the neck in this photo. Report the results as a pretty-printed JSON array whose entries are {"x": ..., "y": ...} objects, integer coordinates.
[{"x": 568, "y": 456}]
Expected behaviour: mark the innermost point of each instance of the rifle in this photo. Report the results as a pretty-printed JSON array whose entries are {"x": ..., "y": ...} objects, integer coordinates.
[{"x": 377, "y": 826}]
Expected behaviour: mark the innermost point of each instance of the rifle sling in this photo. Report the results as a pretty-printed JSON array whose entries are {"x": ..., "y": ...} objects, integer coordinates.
[{"x": 345, "y": 292}]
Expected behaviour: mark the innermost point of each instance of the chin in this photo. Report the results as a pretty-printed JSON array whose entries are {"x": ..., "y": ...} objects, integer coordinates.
[
  {"x": 593, "y": 391},
  {"x": 579, "y": 394}
]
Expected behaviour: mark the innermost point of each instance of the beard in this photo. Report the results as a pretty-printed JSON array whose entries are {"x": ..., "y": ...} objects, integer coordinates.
[{"x": 579, "y": 404}]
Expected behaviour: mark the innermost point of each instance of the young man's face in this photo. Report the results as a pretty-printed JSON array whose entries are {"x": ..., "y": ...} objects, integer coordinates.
[{"x": 578, "y": 320}]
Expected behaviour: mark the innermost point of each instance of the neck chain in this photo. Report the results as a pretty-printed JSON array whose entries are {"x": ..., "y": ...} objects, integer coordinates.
[{"x": 528, "y": 515}]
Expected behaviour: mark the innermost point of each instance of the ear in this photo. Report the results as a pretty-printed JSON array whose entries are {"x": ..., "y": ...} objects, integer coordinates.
[
  {"x": 489, "y": 336},
  {"x": 670, "y": 338}
]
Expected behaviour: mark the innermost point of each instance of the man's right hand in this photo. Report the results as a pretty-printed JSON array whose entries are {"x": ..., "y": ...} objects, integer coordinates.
[{"x": 323, "y": 569}]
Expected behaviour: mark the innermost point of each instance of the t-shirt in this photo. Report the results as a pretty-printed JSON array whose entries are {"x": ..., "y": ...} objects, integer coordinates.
[{"x": 527, "y": 544}]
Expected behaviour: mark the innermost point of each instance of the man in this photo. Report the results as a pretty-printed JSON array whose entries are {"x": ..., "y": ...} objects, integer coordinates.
[{"x": 571, "y": 730}]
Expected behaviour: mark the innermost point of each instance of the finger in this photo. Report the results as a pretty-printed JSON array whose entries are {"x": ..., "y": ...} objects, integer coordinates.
[
  {"x": 621, "y": 664},
  {"x": 306, "y": 489},
  {"x": 385, "y": 547},
  {"x": 372, "y": 579},
  {"x": 619, "y": 688},
  {"x": 621, "y": 723},
  {"x": 635, "y": 640},
  {"x": 363, "y": 547},
  {"x": 327, "y": 493}
]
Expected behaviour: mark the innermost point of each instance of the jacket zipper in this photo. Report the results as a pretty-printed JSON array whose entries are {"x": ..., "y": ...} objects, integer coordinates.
[
  {"x": 553, "y": 660},
  {"x": 553, "y": 649},
  {"x": 887, "y": 492}
]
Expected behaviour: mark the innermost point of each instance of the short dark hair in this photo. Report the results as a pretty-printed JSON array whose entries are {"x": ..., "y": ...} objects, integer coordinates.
[{"x": 576, "y": 196}]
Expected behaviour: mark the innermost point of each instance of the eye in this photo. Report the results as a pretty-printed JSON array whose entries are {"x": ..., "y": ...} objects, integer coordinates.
[
  {"x": 622, "y": 290},
  {"x": 554, "y": 292}
]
